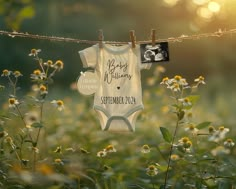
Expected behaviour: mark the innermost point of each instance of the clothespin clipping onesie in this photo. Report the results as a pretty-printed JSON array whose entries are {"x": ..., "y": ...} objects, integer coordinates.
[
  {"x": 100, "y": 37},
  {"x": 132, "y": 38}
]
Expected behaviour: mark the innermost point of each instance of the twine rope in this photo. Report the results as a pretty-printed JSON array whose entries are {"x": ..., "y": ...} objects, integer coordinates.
[{"x": 180, "y": 38}]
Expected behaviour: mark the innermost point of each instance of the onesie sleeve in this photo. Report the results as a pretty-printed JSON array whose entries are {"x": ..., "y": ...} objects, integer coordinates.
[{"x": 89, "y": 56}]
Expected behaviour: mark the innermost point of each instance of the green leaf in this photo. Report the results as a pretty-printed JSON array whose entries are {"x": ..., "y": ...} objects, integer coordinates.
[
  {"x": 199, "y": 183},
  {"x": 49, "y": 81},
  {"x": 165, "y": 187},
  {"x": 203, "y": 125},
  {"x": 5, "y": 117},
  {"x": 180, "y": 115},
  {"x": 12, "y": 151},
  {"x": 193, "y": 98},
  {"x": 181, "y": 149},
  {"x": 210, "y": 183},
  {"x": 27, "y": 12},
  {"x": 224, "y": 185},
  {"x": 30, "y": 141},
  {"x": 37, "y": 125},
  {"x": 162, "y": 186},
  {"x": 164, "y": 147},
  {"x": 34, "y": 144},
  {"x": 176, "y": 106},
  {"x": 166, "y": 134},
  {"x": 188, "y": 107},
  {"x": 2, "y": 87},
  {"x": 162, "y": 168}
]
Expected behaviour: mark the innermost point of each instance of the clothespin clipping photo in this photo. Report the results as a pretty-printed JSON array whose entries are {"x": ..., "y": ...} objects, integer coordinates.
[
  {"x": 100, "y": 38},
  {"x": 151, "y": 53}
]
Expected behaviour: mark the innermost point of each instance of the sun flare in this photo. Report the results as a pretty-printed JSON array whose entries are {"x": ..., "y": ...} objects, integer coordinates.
[{"x": 214, "y": 6}]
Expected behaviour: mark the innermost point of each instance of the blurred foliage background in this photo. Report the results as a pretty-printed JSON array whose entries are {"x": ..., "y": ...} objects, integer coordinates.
[
  {"x": 211, "y": 57},
  {"x": 78, "y": 126}
]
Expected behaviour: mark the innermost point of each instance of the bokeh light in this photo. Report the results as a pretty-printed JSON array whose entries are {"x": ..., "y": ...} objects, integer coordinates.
[
  {"x": 200, "y": 2},
  {"x": 214, "y": 6},
  {"x": 171, "y": 2},
  {"x": 204, "y": 13}
]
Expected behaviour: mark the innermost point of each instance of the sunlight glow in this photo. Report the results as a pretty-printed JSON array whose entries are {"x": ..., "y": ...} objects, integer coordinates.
[
  {"x": 171, "y": 2},
  {"x": 214, "y": 6},
  {"x": 204, "y": 12},
  {"x": 200, "y": 2}
]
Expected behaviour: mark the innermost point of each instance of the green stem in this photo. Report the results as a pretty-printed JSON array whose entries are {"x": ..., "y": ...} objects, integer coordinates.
[
  {"x": 40, "y": 63},
  {"x": 203, "y": 134},
  {"x": 162, "y": 155},
  {"x": 37, "y": 138},
  {"x": 46, "y": 73},
  {"x": 17, "y": 155},
  {"x": 13, "y": 85},
  {"x": 21, "y": 146},
  {"x": 22, "y": 118},
  {"x": 52, "y": 74},
  {"x": 41, "y": 112},
  {"x": 171, "y": 151},
  {"x": 34, "y": 161},
  {"x": 219, "y": 177},
  {"x": 153, "y": 185},
  {"x": 20, "y": 114},
  {"x": 41, "y": 119}
]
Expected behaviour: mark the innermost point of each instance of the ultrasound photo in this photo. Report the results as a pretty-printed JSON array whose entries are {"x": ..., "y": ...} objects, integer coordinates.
[{"x": 157, "y": 53}]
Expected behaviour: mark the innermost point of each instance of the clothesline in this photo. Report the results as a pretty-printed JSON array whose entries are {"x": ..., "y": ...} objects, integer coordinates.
[{"x": 180, "y": 38}]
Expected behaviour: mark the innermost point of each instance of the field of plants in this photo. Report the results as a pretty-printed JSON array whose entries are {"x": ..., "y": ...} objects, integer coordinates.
[{"x": 50, "y": 138}]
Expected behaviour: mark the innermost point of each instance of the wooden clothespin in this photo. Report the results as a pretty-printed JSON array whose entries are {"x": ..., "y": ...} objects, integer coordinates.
[
  {"x": 132, "y": 38},
  {"x": 100, "y": 38},
  {"x": 153, "y": 36}
]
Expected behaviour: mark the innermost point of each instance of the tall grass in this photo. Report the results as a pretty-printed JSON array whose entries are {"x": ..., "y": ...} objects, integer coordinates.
[{"x": 52, "y": 139}]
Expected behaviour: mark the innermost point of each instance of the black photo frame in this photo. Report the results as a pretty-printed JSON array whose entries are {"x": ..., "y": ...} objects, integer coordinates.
[{"x": 154, "y": 53}]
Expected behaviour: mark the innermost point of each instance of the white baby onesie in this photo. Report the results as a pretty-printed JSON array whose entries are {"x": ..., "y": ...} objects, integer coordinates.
[{"x": 118, "y": 100}]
